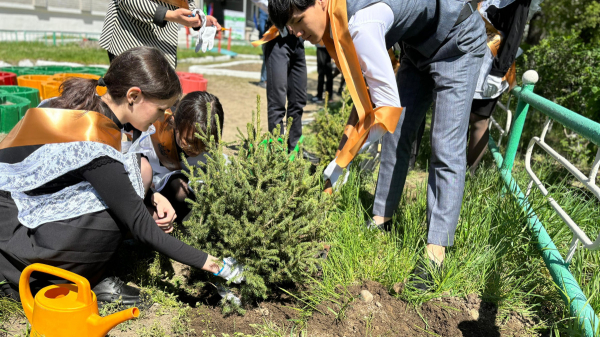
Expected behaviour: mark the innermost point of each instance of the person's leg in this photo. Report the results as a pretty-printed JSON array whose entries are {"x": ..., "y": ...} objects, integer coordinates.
[
  {"x": 479, "y": 134},
  {"x": 277, "y": 56},
  {"x": 415, "y": 88},
  {"x": 416, "y": 146},
  {"x": 296, "y": 91},
  {"x": 263, "y": 68},
  {"x": 455, "y": 81},
  {"x": 321, "y": 64},
  {"x": 328, "y": 75},
  {"x": 341, "y": 87},
  {"x": 263, "y": 17},
  {"x": 146, "y": 171}
]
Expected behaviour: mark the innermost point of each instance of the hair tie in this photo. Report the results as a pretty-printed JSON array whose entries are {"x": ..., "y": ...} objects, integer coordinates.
[{"x": 101, "y": 82}]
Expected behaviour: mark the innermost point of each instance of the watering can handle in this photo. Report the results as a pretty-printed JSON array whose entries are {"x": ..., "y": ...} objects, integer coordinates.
[{"x": 84, "y": 291}]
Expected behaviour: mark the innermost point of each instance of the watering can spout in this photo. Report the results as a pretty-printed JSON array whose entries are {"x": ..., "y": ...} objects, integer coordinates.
[{"x": 102, "y": 325}]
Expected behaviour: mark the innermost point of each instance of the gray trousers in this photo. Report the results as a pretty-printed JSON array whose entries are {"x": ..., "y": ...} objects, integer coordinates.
[
  {"x": 447, "y": 79},
  {"x": 286, "y": 79}
]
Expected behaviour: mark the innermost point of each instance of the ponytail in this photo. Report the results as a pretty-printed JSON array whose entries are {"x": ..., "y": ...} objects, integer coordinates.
[{"x": 79, "y": 94}]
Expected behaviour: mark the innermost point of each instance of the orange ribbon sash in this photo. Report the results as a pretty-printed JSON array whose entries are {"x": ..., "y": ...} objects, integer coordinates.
[
  {"x": 269, "y": 35},
  {"x": 46, "y": 126},
  {"x": 164, "y": 144},
  {"x": 341, "y": 49}
]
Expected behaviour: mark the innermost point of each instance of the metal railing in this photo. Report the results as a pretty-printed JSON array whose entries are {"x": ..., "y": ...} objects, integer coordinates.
[
  {"x": 47, "y": 37},
  {"x": 503, "y": 131},
  {"x": 557, "y": 266}
]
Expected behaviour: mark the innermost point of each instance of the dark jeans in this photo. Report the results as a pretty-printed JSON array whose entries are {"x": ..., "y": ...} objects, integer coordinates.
[
  {"x": 286, "y": 80},
  {"x": 325, "y": 72}
]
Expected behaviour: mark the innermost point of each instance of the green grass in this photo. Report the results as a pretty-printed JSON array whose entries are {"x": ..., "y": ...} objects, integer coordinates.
[{"x": 13, "y": 52}]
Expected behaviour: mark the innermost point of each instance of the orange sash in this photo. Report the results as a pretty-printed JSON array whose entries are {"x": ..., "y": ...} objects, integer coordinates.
[
  {"x": 269, "y": 35},
  {"x": 47, "y": 126},
  {"x": 164, "y": 143},
  {"x": 341, "y": 49}
]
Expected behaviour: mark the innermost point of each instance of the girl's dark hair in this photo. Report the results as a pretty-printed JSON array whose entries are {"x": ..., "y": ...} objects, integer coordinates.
[
  {"x": 281, "y": 11},
  {"x": 192, "y": 110},
  {"x": 142, "y": 67}
]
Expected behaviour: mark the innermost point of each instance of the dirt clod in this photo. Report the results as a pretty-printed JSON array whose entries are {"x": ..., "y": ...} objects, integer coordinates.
[
  {"x": 398, "y": 288},
  {"x": 366, "y": 296}
]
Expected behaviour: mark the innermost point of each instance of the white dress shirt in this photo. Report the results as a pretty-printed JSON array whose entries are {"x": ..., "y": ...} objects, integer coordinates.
[{"x": 367, "y": 28}]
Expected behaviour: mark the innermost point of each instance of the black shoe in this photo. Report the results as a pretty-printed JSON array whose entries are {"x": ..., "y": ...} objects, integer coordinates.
[
  {"x": 311, "y": 157},
  {"x": 113, "y": 290},
  {"x": 317, "y": 100},
  {"x": 262, "y": 84},
  {"x": 384, "y": 227},
  {"x": 6, "y": 290},
  {"x": 423, "y": 274}
]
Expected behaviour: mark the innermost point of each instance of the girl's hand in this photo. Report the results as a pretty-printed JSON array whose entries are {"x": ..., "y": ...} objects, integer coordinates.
[
  {"x": 183, "y": 17},
  {"x": 212, "y": 21},
  {"x": 165, "y": 214}
]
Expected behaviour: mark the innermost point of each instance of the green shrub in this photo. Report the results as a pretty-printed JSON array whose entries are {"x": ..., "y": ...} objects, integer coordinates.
[
  {"x": 328, "y": 127},
  {"x": 261, "y": 208}
]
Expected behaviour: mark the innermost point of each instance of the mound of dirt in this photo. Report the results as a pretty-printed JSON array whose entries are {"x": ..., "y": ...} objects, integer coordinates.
[{"x": 371, "y": 313}]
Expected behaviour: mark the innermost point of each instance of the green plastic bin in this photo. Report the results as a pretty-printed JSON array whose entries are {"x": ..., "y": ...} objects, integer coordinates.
[
  {"x": 51, "y": 70},
  {"x": 20, "y": 70},
  {"x": 12, "y": 109},
  {"x": 31, "y": 94}
]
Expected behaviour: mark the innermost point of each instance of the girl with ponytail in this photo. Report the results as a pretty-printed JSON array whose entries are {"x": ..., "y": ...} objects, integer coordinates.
[{"x": 68, "y": 195}]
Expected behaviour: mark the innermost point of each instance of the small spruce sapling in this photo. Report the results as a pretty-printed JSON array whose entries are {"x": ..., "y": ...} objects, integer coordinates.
[
  {"x": 261, "y": 208},
  {"x": 329, "y": 126}
]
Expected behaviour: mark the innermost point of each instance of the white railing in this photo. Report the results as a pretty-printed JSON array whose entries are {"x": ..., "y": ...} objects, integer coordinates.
[
  {"x": 589, "y": 182},
  {"x": 508, "y": 120}
]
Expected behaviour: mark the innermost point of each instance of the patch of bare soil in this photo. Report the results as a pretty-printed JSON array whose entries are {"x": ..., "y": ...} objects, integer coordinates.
[
  {"x": 155, "y": 319},
  {"x": 371, "y": 313},
  {"x": 238, "y": 98}
]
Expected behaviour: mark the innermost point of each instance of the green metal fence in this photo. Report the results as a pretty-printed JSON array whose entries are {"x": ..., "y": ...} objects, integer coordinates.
[
  {"x": 47, "y": 37},
  {"x": 558, "y": 267}
]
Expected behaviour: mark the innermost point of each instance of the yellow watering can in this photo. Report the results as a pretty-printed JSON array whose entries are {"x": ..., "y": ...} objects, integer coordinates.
[{"x": 66, "y": 310}]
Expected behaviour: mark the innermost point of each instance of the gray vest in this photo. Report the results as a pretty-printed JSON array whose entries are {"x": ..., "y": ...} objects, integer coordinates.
[{"x": 423, "y": 24}]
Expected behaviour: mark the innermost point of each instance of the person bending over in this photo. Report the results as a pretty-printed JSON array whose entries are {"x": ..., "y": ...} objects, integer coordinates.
[
  {"x": 443, "y": 44},
  {"x": 68, "y": 195},
  {"x": 175, "y": 138}
]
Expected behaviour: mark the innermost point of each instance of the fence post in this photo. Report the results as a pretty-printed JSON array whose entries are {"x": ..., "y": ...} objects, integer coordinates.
[
  {"x": 530, "y": 78},
  {"x": 54, "y": 38}
]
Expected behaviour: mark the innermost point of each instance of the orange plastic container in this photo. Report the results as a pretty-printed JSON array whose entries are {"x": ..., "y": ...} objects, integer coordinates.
[
  {"x": 64, "y": 76},
  {"x": 33, "y": 81},
  {"x": 50, "y": 89},
  {"x": 66, "y": 310}
]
